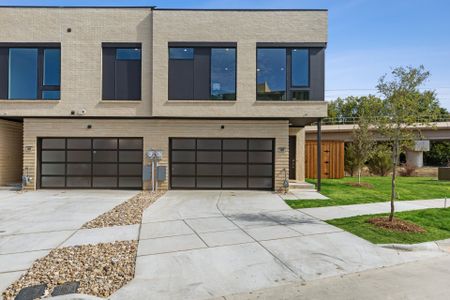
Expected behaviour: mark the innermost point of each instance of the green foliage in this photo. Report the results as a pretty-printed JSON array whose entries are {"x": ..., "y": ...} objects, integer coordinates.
[
  {"x": 380, "y": 161},
  {"x": 350, "y": 165},
  {"x": 408, "y": 188},
  {"x": 439, "y": 154},
  {"x": 434, "y": 221},
  {"x": 354, "y": 107}
]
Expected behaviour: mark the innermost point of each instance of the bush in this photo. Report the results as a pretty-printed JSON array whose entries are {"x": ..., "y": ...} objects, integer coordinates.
[
  {"x": 380, "y": 162},
  {"x": 407, "y": 170},
  {"x": 439, "y": 154},
  {"x": 350, "y": 165}
]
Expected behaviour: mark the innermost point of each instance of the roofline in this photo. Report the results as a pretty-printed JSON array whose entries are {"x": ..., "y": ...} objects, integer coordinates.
[
  {"x": 164, "y": 9},
  {"x": 72, "y": 6}
]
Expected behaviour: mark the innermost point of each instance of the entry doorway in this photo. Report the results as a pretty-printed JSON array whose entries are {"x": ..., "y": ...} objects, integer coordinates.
[{"x": 292, "y": 156}]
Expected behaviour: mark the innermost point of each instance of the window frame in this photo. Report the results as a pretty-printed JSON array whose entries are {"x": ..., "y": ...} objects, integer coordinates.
[
  {"x": 290, "y": 89},
  {"x": 40, "y": 86},
  {"x": 204, "y": 45},
  {"x": 116, "y": 46}
]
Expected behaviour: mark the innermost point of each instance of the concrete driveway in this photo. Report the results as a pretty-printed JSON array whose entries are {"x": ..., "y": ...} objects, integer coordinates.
[
  {"x": 206, "y": 244},
  {"x": 33, "y": 223}
]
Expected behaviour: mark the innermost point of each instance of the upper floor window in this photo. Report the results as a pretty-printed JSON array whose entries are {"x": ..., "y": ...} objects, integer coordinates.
[
  {"x": 121, "y": 71},
  {"x": 202, "y": 73},
  {"x": 283, "y": 74},
  {"x": 29, "y": 72}
]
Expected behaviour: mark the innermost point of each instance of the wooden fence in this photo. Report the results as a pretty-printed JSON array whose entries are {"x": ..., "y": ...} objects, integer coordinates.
[{"x": 332, "y": 159}]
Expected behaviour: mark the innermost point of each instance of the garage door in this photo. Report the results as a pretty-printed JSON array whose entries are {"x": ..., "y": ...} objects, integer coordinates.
[
  {"x": 108, "y": 163},
  {"x": 199, "y": 163}
]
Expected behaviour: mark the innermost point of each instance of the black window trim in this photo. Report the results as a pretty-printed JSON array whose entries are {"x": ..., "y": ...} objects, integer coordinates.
[
  {"x": 40, "y": 70},
  {"x": 209, "y": 45},
  {"x": 120, "y": 45},
  {"x": 289, "y": 87}
]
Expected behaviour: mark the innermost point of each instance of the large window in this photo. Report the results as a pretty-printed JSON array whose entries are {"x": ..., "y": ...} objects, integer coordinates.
[
  {"x": 202, "y": 73},
  {"x": 282, "y": 74},
  {"x": 121, "y": 71},
  {"x": 30, "y": 73}
]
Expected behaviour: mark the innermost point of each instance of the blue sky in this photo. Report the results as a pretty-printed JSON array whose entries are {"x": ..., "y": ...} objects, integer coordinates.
[{"x": 366, "y": 37}]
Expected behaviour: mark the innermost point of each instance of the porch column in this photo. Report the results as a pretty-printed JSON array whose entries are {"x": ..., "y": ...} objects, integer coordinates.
[
  {"x": 319, "y": 154},
  {"x": 300, "y": 155}
]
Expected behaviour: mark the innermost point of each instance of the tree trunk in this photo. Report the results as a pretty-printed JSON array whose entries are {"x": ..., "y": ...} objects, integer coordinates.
[
  {"x": 394, "y": 171},
  {"x": 359, "y": 176}
]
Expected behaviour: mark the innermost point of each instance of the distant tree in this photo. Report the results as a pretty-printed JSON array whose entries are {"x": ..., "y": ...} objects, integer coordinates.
[
  {"x": 439, "y": 154},
  {"x": 405, "y": 108},
  {"x": 344, "y": 108}
]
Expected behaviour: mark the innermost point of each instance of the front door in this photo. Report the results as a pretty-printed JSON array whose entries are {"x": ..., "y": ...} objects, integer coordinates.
[{"x": 292, "y": 156}]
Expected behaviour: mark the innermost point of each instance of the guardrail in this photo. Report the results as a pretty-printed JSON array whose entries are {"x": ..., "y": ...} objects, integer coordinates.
[{"x": 354, "y": 120}]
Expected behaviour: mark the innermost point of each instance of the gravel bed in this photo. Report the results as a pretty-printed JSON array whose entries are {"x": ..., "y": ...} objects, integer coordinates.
[
  {"x": 100, "y": 269},
  {"x": 127, "y": 213}
]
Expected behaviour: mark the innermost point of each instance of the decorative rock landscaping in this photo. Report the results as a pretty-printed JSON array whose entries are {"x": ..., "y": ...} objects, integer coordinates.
[
  {"x": 127, "y": 213},
  {"x": 99, "y": 270}
]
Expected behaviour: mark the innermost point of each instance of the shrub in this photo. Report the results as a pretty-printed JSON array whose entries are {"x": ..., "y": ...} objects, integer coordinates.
[
  {"x": 407, "y": 170},
  {"x": 439, "y": 154},
  {"x": 350, "y": 165},
  {"x": 380, "y": 162}
]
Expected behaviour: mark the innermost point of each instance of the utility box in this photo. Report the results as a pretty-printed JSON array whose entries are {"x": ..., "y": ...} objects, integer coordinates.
[
  {"x": 161, "y": 172},
  {"x": 444, "y": 173}
]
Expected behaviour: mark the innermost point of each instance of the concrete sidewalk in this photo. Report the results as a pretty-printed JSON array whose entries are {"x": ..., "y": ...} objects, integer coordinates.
[{"x": 345, "y": 211}]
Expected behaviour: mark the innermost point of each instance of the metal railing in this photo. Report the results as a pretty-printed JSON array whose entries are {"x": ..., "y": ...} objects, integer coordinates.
[{"x": 354, "y": 120}]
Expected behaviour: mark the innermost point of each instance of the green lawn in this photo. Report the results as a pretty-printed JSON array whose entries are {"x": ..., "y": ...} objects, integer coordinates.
[
  {"x": 408, "y": 188},
  {"x": 435, "y": 221}
]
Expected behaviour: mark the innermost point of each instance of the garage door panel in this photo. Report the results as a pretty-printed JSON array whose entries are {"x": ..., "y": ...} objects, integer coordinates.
[
  {"x": 209, "y": 182},
  {"x": 130, "y": 169},
  {"x": 105, "y": 156},
  {"x": 91, "y": 163},
  {"x": 130, "y": 156},
  {"x": 209, "y": 156},
  {"x": 235, "y": 157},
  {"x": 78, "y": 143},
  {"x": 209, "y": 169},
  {"x": 79, "y": 156},
  {"x": 78, "y": 182},
  {"x": 53, "y": 143},
  {"x": 221, "y": 163},
  {"x": 235, "y": 182},
  {"x": 53, "y": 181},
  {"x": 79, "y": 169},
  {"x": 183, "y": 156},
  {"x": 183, "y": 182},
  {"x": 53, "y": 156},
  {"x": 53, "y": 169},
  {"x": 104, "y": 182},
  {"x": 110, "y": 144},
  {"x": 183, "y": 169}
]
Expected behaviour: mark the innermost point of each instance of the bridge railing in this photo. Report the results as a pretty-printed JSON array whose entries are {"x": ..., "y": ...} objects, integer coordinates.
[{"x": 354, "y": 120}]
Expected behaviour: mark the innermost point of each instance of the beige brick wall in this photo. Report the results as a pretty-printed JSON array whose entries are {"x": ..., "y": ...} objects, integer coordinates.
[
  {"x": 156, "y": 135},
  {"x": 10, "y": 152},
  {"x": 81, "y": 55},
  {"x": 246, "y": 28}
]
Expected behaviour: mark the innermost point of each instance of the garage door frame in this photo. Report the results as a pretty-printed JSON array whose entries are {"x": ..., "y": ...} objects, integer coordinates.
[
  {"x": 92, "y": 162},
  {"x": 248, "y": 164}
]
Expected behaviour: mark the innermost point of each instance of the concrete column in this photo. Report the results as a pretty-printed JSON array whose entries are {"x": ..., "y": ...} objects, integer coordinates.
[
  {"x": 300, "y": 155},
  {"x": 414, "y": 158}
]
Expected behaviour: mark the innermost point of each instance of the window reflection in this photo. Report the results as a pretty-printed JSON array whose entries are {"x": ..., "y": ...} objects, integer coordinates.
[
  {"x": 52, "y": 66},
  {"x": 300, "y": 67},
  {"x": 223, "y": 73},
  {"x": 271, "y": 74},
  {"x": 23, "y": 73}
]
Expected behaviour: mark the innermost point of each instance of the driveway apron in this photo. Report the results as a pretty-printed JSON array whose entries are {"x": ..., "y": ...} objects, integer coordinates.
[{"x": 206, "y": 244}]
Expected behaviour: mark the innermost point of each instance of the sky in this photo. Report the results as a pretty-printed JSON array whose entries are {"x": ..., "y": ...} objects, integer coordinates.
[{"x": 367, "y": 38}]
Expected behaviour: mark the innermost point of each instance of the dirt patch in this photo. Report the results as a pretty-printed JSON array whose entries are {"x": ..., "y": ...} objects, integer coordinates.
[
  {"x": 100, "y": 269},
  {"x": 396, "y": 225},
  {"x": 127, "y": 213},
  {"x": 362, "y": 184}
]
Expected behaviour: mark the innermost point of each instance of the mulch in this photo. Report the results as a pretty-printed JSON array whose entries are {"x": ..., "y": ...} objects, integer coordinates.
[{"x": 398, "y": 225}]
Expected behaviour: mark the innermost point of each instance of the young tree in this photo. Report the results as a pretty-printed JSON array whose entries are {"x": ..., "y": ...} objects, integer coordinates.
[
  {"x": 363, "y": 142},
  {"x": 405, "y": 109}
]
